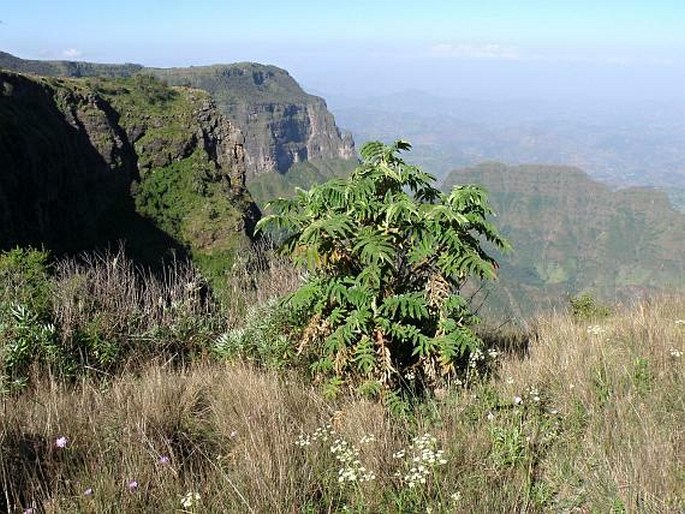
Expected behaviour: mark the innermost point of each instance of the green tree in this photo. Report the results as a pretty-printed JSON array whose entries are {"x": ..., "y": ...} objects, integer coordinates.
[{"x": 387, "y": 255}]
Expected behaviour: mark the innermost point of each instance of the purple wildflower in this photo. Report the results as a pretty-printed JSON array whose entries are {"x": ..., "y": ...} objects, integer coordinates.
[
  {"x": 164, "y": 460},
  {"x": 29, "y": 510},
  {"x": 61, "y": 442},
  {"x": 88, "y": 492},
  {"x": 132, "y": 485}
]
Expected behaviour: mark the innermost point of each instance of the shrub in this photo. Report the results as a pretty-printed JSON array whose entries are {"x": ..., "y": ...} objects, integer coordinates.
[
  {"x": 387, "y": 255},
  {"x": 585, "y": 308},
  {"x": 262, "y": 339},
  {"x": 25, "y": 280},
  {"x": 25, "y": 308}
]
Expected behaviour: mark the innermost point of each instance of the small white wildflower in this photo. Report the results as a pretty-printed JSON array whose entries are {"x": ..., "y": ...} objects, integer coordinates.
[
  {"x": 676, "y": 353},
  {"x": 680, "y": 322},
  {"x": 492, "y": 353},
  {"x": 456, "y": 496},
  {"x": 490, "y": 416},
  {"x": 190, "y": 499},
  {"x": 367, "y": 439},
  {"x": 518, "y": 400}
]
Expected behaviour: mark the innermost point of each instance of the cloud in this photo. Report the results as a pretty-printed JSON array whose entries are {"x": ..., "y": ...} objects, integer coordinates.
[
  {"x": 71, "y": 53},
  {"x": 475, "y": 51}
]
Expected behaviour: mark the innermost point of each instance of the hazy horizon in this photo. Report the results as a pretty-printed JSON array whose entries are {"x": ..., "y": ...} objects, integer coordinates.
[{"x": 623, "y": 51}]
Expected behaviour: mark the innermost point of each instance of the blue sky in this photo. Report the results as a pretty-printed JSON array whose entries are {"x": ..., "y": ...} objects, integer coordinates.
[{"x": 457, "y": 48}]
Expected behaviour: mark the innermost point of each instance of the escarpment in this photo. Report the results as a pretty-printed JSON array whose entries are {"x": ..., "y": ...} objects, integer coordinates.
[
  {"x": 88, "y": 161},
  {"x": 282, "y": 124}
]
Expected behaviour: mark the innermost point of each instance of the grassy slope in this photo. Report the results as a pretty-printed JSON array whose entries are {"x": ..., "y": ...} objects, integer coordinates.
[
  {"x": 571, "y": 234},
  {"x": 606, "y": 434}
]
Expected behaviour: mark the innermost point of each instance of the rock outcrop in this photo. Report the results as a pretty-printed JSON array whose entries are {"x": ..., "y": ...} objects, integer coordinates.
[{"x": 87, "y": 161}]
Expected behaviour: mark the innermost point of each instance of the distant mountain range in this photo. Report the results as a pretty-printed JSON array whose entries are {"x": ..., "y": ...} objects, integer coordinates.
[{"x": 573, "y": 235}]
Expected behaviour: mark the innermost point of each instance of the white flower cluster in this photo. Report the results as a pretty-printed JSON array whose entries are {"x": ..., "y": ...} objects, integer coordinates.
[
  {"x": 680, "y": 322},
  {"x": 596, "y": 330},
  {"x": 492, "y": 353},
  {"x": 323, "y": 433},
  {"x": 424, "y": 457},
  {"x": 676, "y": 353},
  {"x": 348, "y": 455},
  {"x": 366, "y": 439},
  {"x": 534, "y": 394},
  {"x": 476, "y": 356}
]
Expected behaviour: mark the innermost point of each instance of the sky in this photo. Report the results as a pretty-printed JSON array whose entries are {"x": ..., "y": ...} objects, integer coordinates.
[{"x": 483, "y": 49}]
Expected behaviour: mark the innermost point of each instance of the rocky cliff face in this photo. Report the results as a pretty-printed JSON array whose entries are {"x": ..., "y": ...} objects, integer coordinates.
[
  {"x": 280, "y": 135},
  {"x": 84, "y": 161},
  {"x": 282, "y": 124}
]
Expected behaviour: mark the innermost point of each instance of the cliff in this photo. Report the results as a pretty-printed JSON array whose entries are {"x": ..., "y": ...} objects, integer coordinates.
[
  {"x": 88, "y": 161},
  {"x": 282, "y": 124}
]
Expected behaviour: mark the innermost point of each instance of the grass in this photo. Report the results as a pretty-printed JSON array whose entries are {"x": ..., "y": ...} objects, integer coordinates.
[{"x": 577, "y": 416}]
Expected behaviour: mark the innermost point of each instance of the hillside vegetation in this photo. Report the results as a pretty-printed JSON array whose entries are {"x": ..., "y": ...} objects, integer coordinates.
[
  {"x": 575, "y": 414},
  {"x": 352, "y": 374},
  {"x": 127, "y": 391},
  {"x": 573, "y": 235}
]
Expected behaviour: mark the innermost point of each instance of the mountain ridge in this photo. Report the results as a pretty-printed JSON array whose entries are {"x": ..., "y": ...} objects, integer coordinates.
[{"x": 573, "y": 235}]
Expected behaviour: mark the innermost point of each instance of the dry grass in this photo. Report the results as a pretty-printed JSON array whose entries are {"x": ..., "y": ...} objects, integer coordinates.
[{"x": 606, "y": 435}]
